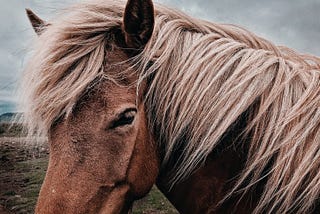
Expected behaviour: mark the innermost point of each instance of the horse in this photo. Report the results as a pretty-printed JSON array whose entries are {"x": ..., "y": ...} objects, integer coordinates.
[{"x": 130, "y": 95}]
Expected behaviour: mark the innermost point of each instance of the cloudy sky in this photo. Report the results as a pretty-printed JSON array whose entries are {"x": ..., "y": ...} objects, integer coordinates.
[{"x": 294, "y": 23}]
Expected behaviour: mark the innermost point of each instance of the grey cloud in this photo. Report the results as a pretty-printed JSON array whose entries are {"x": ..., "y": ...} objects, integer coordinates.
[
  {"x": 294, "y": 23},
  {"x": 7, "y": 107},
  {"x": 16, "y": 35}
]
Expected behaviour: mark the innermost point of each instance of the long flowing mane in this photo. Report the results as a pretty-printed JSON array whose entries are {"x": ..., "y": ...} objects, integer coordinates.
[{"x": 203, "y": 77}]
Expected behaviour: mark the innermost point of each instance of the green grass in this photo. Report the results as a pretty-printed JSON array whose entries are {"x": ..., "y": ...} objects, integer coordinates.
[
  {"x": 154, "y": 202},
  {"x": 28, "y": 176},
  {"x": 11, "y": 130}
]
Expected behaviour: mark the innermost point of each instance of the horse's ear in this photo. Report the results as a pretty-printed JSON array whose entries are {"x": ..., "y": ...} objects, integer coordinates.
[
  {"x": 37, "y": 23},
  {"x": 138, "y": 23}
]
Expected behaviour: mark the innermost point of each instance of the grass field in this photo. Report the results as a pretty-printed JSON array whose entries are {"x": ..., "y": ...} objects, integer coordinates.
[{"x": 22, "y": 170}]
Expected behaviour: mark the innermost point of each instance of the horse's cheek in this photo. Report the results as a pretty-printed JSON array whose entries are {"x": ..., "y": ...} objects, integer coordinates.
[{"x": 144, "y": 166}]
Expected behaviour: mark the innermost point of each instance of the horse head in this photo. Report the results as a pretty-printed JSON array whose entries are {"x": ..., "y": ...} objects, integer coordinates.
[{"x": 102, "y": 156}]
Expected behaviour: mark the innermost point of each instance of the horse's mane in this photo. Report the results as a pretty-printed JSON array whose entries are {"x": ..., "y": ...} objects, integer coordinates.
[{"x": 203, "y": 77}]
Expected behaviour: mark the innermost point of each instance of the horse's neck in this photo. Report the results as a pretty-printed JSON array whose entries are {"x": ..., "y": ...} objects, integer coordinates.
[
  {"x": 207, "y": 186},
  {"x": 203, "y": 190}
]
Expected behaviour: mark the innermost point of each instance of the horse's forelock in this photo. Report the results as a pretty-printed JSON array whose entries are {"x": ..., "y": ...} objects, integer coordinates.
[{"x": 68, "y": 56}]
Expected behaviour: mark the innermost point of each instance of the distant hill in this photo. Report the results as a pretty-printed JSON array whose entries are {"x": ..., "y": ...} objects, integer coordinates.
[
  {"x": 8, "y": 117},
  {"x": 8, "y": 128}
]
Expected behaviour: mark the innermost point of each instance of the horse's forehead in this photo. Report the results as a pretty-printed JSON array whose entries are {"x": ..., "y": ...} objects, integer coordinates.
[
  {"x": 118, "y": 65},
  {"x": 107, "y": 96},
  {"x": 118, "y": 96}
]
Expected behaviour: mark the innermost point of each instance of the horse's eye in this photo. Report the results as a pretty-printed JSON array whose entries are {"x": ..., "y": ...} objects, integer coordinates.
[{"x": 125, "y": 118}]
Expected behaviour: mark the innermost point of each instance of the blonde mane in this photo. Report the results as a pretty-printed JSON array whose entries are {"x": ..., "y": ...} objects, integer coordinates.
[{"x": 204, "y": 76}]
